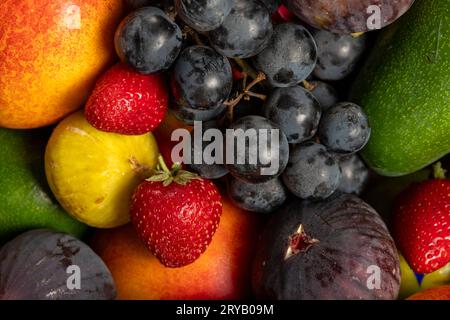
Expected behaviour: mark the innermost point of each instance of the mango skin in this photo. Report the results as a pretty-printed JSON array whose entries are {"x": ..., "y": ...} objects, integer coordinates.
[
  {"x": 405, "y": 90},
  {"x": 49, "y": 59},
  {"x": 26, "y": 201}
]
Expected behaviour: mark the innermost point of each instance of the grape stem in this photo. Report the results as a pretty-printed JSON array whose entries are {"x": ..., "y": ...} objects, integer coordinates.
[
  {"x": 246, "y": 94},
  {"x": 246, "y": 68},
  {"x": 188, "y": 31},
  {"x": 171, "y": 13},
  {"x": 308, "y": 86}
]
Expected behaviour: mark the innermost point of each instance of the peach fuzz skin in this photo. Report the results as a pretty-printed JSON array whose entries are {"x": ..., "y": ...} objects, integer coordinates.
[
  {"x": 51, "y": 52},
  {"x": 437, "y": 293},
  {"x": 222, "y": 272}
]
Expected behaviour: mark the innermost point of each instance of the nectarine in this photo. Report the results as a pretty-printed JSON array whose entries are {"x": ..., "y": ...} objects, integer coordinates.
[
  {"x": 222, "y": 272},
  {"x": 51, "y": 52},
  {"x": 438, "y": 293}
]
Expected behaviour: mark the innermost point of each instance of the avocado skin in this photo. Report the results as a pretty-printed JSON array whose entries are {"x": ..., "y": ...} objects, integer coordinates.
[
  {"x": 405, "y": 90},
  {"x": 25, "y": 198}
]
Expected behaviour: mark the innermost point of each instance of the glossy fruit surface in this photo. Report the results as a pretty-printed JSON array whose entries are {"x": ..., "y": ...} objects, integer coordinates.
[
  {"x": 312, "y": 172},
  {"x": 38, "y": 265},
  {"x": 408, "y": 112},
  {"x": 252, "y": 158},
  {"x": 50, "y": 55},
  {"x": 222, "y": 272},
  {"x": 204, "y": 15},
  {"x": 422, "y": 225},
  {"x": 354, "y": 174},
  {"x": 344, "y": 128},
  {"x": 295, "y": 111},
  {"x": 148, "y": 40},
  {"x": 94, "y": 173},
  {"x": 127, "y": 102},
  {"x": 189, "y": 115},
  {"x": 245, "y": 32},
  {"x": 26, "y": 201},
  {"x": 326, "y": 250},
  {"x": 438, "y": 293},
  {"x": 257, "y": 197},
  {"x": 337, "y": 54},
  {"x": 201, "y": 79},
  {"x": 207, "y": 162},
  {"x": 347, "y": 16},
  {"x": 290, "y": 56},
  {"x": 324, "y": 93},
  {"x": 413, "y": 282},
  {"x": 176, "y": 221}
]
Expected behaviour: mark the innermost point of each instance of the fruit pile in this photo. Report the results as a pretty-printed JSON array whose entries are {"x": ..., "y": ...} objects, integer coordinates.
[{"x": 224, "y": 149}]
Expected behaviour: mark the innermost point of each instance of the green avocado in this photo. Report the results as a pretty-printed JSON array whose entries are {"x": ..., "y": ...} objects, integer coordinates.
[
  {"x": 25, "y": 198},
  {"x": 404, "y": 88}
]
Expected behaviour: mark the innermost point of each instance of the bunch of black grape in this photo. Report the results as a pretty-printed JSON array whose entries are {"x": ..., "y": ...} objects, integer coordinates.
[{"x": 275, "y": 90}]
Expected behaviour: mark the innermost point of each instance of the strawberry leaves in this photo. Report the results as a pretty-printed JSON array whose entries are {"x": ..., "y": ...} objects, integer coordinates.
[{"x": 176, "y": 174}]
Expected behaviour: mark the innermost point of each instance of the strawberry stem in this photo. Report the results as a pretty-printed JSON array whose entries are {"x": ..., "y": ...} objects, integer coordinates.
[
  {"x": 166, "y": 176},
  {"x": 162, "y": 164}
]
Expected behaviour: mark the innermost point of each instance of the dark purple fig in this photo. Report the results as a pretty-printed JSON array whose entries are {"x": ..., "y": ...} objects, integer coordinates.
[
  {"x": 348, "y": 16},
  {"x": 47, "y": 265},
  {"x": 338, "y": 248}
]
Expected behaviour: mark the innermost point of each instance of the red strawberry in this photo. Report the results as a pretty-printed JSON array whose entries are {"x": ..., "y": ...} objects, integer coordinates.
[
  {"x": 176, "y": 215},
  {"x": 422, "y": 225},
  {"x": 127, "y": 102}
]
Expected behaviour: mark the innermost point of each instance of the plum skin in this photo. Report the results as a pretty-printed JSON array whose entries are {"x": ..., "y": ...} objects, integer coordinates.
[{"x": 345, "y": 16}]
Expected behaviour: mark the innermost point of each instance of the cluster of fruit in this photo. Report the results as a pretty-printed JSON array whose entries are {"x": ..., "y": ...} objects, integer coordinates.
[
  {"x": 131, "y": 99},
  {"x": 284, "y": 55},
  {"x": 196, "y": 230}
]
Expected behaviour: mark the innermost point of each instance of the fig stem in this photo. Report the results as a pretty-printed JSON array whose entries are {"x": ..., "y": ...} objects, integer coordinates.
[{"x": 299, "y": 242}]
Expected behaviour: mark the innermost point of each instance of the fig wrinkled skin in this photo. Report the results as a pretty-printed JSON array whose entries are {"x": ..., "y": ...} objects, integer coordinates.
[
  {"x": 333, "y": 249},
  {"x": 43, "y": 265}
]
